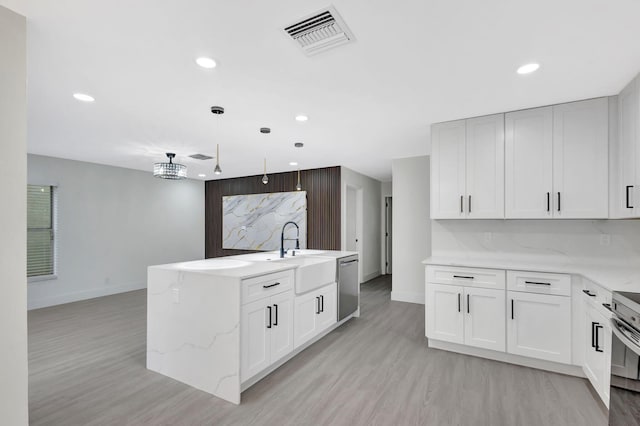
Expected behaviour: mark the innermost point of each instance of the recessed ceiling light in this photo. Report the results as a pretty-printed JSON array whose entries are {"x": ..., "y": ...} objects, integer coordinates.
[
  {"x": 528, "y": 68},
  {"x": 83, "y": 97},
  {"x": 293, "y": 163},
  {"x": 202, "y": 175},
  {"x": 301, "y": 117},
  {"x": 205, "y": 62}
]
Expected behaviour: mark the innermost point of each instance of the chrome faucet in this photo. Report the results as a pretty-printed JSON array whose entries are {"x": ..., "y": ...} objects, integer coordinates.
[{"x": 283, "y": 239}]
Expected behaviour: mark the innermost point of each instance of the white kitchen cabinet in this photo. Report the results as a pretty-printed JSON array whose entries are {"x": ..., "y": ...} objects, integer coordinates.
[
  {"x": 539, "y": 326},
  {"x": 528, "y": 163},
  {"x": 484, "y": 319},
  {"x": 597, "y": 355},
  {"x": 467, "y": 163},
  {"x": 266, "y": 332},
  {"x": 314, "y": 312},
  {"x": 581, "y": 159},
  {"x": 443, "y": 312},
  {"x": 627, "y": 194}
]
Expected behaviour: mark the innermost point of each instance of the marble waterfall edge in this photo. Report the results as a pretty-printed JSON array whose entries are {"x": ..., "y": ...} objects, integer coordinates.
[{"x": 254, "y": 221}]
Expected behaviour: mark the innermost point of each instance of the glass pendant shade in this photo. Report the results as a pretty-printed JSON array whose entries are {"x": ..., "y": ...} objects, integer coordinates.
[
  {"x": 298, "y": 186},
  {"x": 170, "y": 170},
  {"x": 217, "y": 170},
  {"x": 265, "y": 178}
]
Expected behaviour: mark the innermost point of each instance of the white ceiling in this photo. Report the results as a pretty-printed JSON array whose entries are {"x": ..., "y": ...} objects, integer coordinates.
[{"x": 415, "y": 62}]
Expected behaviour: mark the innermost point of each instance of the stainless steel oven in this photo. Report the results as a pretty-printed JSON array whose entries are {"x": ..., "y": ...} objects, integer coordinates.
[{"x": 624, "y": 403}]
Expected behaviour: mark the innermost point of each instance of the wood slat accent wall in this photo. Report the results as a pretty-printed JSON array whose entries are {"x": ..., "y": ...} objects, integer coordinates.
[{"x": 323, "y": 205}]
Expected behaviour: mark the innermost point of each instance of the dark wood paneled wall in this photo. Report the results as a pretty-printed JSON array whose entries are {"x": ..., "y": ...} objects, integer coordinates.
[{"x": 323, "y": 205}]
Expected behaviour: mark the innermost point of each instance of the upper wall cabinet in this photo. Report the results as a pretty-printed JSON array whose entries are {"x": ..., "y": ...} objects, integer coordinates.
[
  {"x": 626, "y": 195},
  {"x": 467, "y": 169},
  {"x": 556, "y": 161}
]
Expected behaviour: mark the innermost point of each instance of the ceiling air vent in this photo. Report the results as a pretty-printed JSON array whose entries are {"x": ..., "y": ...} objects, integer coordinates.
[
  {"x": 200, "y": 157},
  {"x": 320, "y": 31}
]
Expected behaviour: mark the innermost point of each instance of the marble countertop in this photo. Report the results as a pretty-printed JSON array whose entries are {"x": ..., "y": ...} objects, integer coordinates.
[{"x": 610, "y": 277}]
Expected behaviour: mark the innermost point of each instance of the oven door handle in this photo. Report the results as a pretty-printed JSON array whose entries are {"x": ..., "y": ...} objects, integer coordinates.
[{"x": 615, "y": 328}]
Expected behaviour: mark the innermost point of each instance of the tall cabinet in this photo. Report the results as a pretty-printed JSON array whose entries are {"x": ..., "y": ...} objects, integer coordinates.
[
  {"x": 467, "y": 169},
  {"x": 627, "y": 192}
]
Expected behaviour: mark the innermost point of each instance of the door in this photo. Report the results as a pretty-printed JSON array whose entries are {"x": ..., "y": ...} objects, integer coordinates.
[
  {"x": 443, "y": 313},
  {"x": 282, "y": 327},
  {"x": 484, "y": 319},
  {"x": 448, "y": 170},
  {"x": 627, "y": 199},
  {"x": 595, "y": 366},
  {"x": 485, "y": 167},
  {"x": 306, "y": 316},
  {"x": 388, "y": 228},
  {"x": 539, "y": 326},
  {"x": 327, "y": 315},
  {"x": 256, "y": 345},
  {"x": 581, "y": 159},
  {"x": 528, "y": 163}
]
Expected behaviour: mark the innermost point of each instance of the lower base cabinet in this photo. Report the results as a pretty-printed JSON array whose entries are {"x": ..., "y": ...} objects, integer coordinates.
[
  {"x": 597, "y": 355},
  {"x": 539, "y": 326},
  {"x": 314, "y": 312}
]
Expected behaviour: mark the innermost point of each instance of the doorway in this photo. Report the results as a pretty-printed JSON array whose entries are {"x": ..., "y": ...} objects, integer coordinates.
[
  {"x": 353, "y": 232},
  {"x": 388, "y": 209}
]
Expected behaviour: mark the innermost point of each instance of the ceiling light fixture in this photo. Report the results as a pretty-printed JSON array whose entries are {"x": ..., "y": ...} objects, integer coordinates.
[
  {"x": 293, "y": 163},
  {"x": 217, "y": 110},
  {"x": 528, "y": 68},
  {"x": 298, "y": 144},
  {"x": 301, "y": 117},
  {"x": 202, "y": 175},
  {"x": 298, "y": 186},
  {"x": 83, "y": 97},
  {"x": 265, "y": 178},
  {"x": 205, "y": 62},
  {"x": 170, "y": 170}
]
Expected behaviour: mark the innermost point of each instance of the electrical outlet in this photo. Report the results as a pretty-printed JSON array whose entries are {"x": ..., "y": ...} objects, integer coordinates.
[
  {"x": 605, "y": 239},
  {"x": 176, "y": 295}
]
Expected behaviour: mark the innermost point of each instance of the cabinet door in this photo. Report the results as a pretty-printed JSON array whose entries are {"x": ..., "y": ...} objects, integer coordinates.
[
  {"x": 306, "y": 316},
  {"x": 528, "y": 163},
  {"x": 282, "y": 328},
  {"x": 443, "y": 313},
  {"x": 448, "y": 170},
  {"x": 581, "y": 159},
  {"x": 597, "y": 349},
  {"x": 485, "y": 167},
  {"x": 627, "y": 194},
  {"x": 484, "y": 320},
  {"x": 539, "y": 326},
  {"x": 328, "y": 304},
  {"x": 255, "y": 338}
]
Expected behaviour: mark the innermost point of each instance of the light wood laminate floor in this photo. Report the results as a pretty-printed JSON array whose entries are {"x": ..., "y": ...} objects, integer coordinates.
[{"x": 87, "y": 367}]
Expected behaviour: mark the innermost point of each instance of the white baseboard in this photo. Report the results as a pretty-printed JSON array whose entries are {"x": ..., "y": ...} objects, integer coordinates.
[
  {"x": 405, "y": 296},
  {"x": 371, "y": 276},
  {"x": 83, "y": 295}
]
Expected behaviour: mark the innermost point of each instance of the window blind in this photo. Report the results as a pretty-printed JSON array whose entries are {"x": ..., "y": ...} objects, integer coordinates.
[{"x": 40, "y": 243}]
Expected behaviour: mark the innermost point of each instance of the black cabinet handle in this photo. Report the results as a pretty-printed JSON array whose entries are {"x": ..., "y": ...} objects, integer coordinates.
[
  {"x": 537, "y": 283},
  {"x": 627, "y": 191},
  {"x": 607, "y": 306},
  {"x": 598, "y": 326},
  {"x": 469, "y": 207},
  {"x": 548, "y": 201},
  {"x": 317, "y": 305},
  {"x": 558, "y": 201},
  {"x": 593, "y": 334},
  {"x": 588, "y": 293},
  {"x": 271, "y": 285},
  {"x": 462, "y": 204},
  {"x": 321, "y": 303},
  {"x": 468, "y": 308},
  {"x": 459, "y": 303},
  {"x": 275, "y": 323},
  {"x": 513, "y": 315},
  {"x": 269, "y": 325},
  {"x": 464, "y": 276}
]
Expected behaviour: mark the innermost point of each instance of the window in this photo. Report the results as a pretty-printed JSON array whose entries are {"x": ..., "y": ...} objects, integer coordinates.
[{"x": 40, "y": 231}]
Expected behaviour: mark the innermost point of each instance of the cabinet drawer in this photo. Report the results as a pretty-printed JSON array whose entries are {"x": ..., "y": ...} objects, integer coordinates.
[
  {"x": 257, "y": 288},
  {"x": 539, "y": 282},
  {"x": 472, "y": 277},
  {"x": 595, "y": 294}
]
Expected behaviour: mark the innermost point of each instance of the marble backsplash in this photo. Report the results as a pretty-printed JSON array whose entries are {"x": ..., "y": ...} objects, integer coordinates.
[
  {"x": 611, "y": 242},
  {"x": 254, "y": 221}
]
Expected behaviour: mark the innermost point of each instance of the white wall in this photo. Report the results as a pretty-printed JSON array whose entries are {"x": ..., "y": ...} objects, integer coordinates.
[
  {"x": 370, "y": 237},
  {"x": 411, "y": 228},
  {"x": 13, "y": 142},
  {"x": 386, "y": 190},
  {"x": 111, "y": 224}
]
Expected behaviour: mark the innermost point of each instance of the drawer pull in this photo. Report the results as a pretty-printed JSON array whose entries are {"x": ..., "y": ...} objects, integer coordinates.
[
  {"x": 607, "y": 306},
  {"x": 588, "y": 293},
  {"x": 536, "y": 283},
  {"x": 463, "y": 276},
  {"x": 270, "y": 285}
]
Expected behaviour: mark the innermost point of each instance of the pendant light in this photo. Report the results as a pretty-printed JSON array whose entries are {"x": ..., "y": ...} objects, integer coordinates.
[
  {"x": 217, "y": 110},
  {"x": 298, "y": 186},
  {"x": 265, "y": 178},
  {"x": 170, "y": 170}
]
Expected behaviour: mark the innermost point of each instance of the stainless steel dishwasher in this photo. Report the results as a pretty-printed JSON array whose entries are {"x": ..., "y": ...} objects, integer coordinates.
[{"x": 348, "y": 286}]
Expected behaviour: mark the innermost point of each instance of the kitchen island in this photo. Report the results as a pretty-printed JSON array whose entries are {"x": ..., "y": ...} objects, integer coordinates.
[{"x": 220, "y": 325}]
